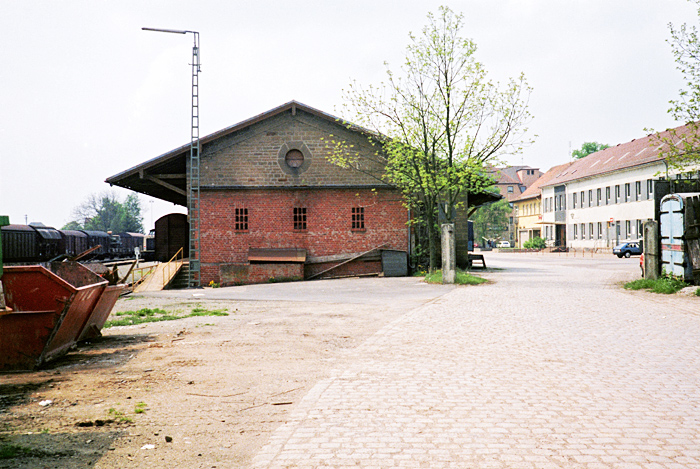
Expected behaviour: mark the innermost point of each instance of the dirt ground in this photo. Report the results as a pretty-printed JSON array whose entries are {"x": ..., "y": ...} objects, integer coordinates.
[{"x": 200, "y": 392}]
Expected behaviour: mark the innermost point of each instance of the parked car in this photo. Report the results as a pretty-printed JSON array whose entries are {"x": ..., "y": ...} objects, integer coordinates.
[
  {"x": 627, "y": 249},
  {"x": 504, "y": 244}
]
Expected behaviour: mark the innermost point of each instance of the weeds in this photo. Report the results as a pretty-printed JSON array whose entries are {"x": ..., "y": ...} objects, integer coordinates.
[
  {"x": 461, "y": 278},
  {"x": 140, "y": 408},
  {"x": 667, "y": 284},
  {"x": 119, "y": 415},
  {"x": 130, "y": 318}
]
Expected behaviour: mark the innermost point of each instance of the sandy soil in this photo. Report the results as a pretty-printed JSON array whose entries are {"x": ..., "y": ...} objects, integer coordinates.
[{"x": 212, "y": 389}]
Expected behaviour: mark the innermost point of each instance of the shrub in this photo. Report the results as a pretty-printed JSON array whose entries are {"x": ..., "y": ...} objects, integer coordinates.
[{"x": 535, "y": 243}]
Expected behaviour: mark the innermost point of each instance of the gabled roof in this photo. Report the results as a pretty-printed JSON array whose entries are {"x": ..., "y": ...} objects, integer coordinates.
[
  {"x": 164, "y": 177},
  {"x": 638, "y": 152},
  {"x": 535, "y": 188},
  {"x": 509, "y": 174}
]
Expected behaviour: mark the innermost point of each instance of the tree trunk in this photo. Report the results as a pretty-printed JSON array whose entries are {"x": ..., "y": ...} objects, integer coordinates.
[{"x": 432, "y": 237}]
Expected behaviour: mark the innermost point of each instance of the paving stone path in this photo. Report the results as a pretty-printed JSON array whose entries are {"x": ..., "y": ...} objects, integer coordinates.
[{"x": 550, "y": 366}]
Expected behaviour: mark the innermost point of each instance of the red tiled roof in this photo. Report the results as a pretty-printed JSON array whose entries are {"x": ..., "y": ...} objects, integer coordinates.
[
  {"x": 626, "y": 155},
  {"x": 535, "y": 188}
]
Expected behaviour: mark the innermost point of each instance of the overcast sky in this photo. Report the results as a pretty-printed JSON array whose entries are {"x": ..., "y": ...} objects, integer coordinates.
[{"x": 86, "y": 94}]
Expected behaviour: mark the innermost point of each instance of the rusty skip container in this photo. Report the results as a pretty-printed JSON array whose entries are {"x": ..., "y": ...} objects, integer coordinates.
[
  {"x": 50, "y": 308},
  {"x": 100, "y": 313}
]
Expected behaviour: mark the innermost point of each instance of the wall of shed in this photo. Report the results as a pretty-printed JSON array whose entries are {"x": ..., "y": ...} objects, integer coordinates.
[
  {"x": 270, "y": 225},
  {"x": 251, "y": 157}
]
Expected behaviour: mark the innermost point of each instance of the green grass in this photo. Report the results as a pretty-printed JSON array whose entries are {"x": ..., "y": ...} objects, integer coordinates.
[
  {"x": 666, "y": 285},
  {"x": 140, "y": 408},
  {"x": 119, "y": 415},
  {"x": 10, "y": 451},
  {"x": 130, "y": 318},
  {"x": 697, "y": 292},
  {"x": 461, "y": 278}
]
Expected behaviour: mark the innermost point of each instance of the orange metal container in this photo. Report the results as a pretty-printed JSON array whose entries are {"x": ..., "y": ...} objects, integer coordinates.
[
  {"x": 100, "y": 313},
  {"x": 59, "y": 300}
]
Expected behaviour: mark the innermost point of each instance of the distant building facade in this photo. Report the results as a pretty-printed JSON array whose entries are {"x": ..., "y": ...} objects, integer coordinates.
[
  {"x": 512, "y": 182},
  {"x": 528, "y": 208},
  {"x": 605, "y": 198}
]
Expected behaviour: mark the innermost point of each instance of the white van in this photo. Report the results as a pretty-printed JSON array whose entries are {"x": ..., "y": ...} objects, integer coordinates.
[{"x": 503, "y": 244}]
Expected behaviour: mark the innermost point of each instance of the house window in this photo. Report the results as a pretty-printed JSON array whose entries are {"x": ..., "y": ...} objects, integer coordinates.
[
  {"x": 299, "y": 218},
  {"x": 600, "y": 230},
  {"x": 607, "y": 195},
  {"x": 628, "y": 192},
  {"x": 510, "y": 189},
  {"x": 640, "y": 228},
  {"x": 575, "y": 231},
  {"x": 240, "y": 219},
  {"x": 650, "y": 187},
  {"x": 582, "y": 201},
  {"x": 573, "y": 202},
  {"x": 590, "y": 231},
  {"x": 358, "y": 218},
  {"x": 617, "y": 194},
  {"x": 599, "y": 197},
  {"x": 638, "y": 190},
  {"x": 590, "y": 197},
  {"x": 628, "y": 229},
  {"x": 550, "y": 203},
  {"x": 583, "y": 231}
]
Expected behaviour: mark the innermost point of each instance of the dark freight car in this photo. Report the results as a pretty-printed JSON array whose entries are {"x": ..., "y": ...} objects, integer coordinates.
[
  {"x": 28, "y": 243},
  {"x": 73, "y": 242},
  {"x": 104, "y": 240},
  {"x": 172, "y": 233},
  {"x": 131, "y": 241},
  {"x": 19, "y": 243}
]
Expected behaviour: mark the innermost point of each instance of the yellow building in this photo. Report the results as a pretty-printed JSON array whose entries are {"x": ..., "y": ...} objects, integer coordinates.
[{"x": 528, "y": 208}]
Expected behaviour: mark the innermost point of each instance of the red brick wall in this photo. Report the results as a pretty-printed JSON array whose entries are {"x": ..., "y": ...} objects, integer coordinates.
[{"x": 270, "y": 215}]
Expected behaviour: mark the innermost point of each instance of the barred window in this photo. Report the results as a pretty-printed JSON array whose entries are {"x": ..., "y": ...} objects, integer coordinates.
[
  {"x": 300, "y": 218},
  {"x": 240, "y": 219},
  {"x": 358, "y": 218}
]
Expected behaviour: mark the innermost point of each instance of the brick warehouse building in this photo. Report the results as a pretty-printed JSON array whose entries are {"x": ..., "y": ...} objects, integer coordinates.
[{"x": 272, "y": 206}]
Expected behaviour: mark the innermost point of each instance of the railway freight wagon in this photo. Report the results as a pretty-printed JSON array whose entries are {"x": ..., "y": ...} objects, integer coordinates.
[
  {"x": 129, "y": 242},
  {"x": 29, "y": 243},
  {"x": 172, "y": 233},
  {"x": 73, "y": 242}
]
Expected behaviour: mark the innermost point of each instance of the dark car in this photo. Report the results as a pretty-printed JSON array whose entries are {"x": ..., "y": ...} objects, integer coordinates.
[{"x": 627, "y": 249}]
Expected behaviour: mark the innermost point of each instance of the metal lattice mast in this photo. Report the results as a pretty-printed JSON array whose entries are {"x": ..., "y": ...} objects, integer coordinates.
[
  {"x": 193, "y": 193},
  {"x": 194, "y": 279}
]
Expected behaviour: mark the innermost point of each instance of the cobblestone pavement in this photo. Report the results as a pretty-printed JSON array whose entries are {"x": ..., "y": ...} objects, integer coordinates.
[{"x": 552, "y": 365}]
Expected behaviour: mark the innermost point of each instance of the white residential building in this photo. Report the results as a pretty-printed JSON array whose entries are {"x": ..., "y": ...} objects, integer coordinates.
[{"x": 604, "y": 198}]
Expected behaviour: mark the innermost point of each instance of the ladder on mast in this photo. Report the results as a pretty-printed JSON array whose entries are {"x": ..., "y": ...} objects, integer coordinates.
[{"x": 193, "y": 202}]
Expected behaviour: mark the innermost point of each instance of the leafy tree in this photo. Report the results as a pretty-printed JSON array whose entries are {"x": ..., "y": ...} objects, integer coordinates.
[
  {"x": 104, "y": 212},
  {"x": 587, "y": 148},
  {"x": 438, "y": 124},
  {"x": 490, "y": 220},
  {"x": 681, "y": 147}
]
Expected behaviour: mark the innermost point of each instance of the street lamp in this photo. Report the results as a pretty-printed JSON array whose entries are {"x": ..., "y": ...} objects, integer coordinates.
[{"x": 193, "y": 183}]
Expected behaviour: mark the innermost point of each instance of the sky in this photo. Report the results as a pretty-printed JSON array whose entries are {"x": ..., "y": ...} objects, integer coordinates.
[{"x": 86, "y": 94}]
